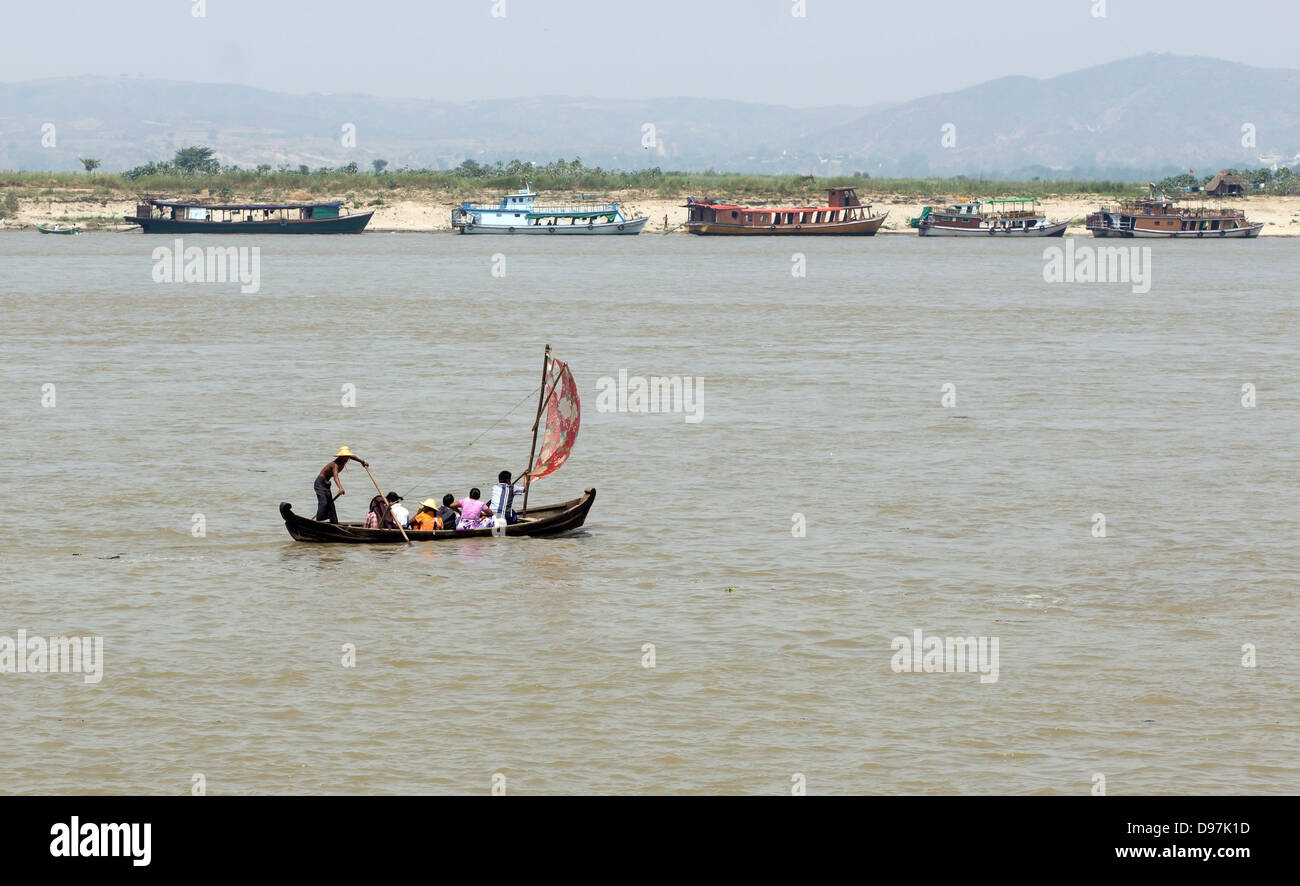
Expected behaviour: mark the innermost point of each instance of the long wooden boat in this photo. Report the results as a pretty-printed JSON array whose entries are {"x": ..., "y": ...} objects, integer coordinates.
[
  {"x": 845, "y": 214},
  {"x": 58, "y": 229},
  {"x": 538, "y": 521},
  {"x": 1158, "y": 216},
  {"x": 1012, "y": 217},
  {"x": 519, "y": 213},
  {"x": 559, "y": 415},
  {"x": 175, "y": 217}
]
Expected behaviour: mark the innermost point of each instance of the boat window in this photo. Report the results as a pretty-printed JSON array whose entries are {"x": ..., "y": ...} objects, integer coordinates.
[{"x": 735, "y": 214}]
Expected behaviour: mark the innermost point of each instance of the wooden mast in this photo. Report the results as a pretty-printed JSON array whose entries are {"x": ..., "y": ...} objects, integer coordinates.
[{"x": 541, "y": 404}]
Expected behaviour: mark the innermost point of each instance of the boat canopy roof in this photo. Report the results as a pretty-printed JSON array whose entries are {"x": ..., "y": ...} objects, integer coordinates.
[
  {"x": 183, "y": 205},
  {"x": 709, "y": 205}
]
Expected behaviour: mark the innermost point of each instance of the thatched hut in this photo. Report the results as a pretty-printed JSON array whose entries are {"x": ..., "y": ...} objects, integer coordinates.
[{"x": 1227, "y": 184}]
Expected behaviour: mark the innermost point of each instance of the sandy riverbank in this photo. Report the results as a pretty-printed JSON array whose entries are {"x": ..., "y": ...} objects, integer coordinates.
[{"x": 425, "y": 213}]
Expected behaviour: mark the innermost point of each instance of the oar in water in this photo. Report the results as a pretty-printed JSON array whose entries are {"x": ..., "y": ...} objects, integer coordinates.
[{"x": 386, "y": 507}]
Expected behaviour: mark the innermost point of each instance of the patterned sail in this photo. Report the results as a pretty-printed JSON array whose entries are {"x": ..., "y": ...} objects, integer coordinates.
[{"x": 562, "y": 414}]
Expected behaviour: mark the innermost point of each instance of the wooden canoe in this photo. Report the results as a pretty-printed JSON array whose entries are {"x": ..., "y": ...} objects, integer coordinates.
[
  {"x": 58, "y": 229},
  {"x": 543, "y": 521}
]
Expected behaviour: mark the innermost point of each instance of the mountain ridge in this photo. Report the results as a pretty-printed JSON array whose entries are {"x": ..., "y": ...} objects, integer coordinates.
[{"x": 1140, "y": 116}]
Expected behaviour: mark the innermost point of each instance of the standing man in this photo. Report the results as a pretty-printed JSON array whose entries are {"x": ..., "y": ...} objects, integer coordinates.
[
  {"x": 324, "y": 499},
  {"x": 503, "y": 497}
]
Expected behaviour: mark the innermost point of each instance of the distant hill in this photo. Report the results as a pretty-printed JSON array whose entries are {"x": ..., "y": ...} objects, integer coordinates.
[
  {"x": 1154, "y": 113},
  {"x": 1134, "y": 118}
]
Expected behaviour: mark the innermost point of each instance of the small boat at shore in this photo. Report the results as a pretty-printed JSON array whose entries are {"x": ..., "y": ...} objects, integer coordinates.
[
  {"x": 538, "y": 522},
  {"x": 58, "y": 229},
  {"x": 845, "y": 214},
  {"x": 519, "y": 213},
  {"x": 1159, "y": 216},
  {"x": 177, "y": 217},
  {"x": 1011, "y": 217}
]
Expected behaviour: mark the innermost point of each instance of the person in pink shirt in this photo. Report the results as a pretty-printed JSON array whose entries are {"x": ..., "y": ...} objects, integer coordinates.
[{"x": 474, "y": 514}]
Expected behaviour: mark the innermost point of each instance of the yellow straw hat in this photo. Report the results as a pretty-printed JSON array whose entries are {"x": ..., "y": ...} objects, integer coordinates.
[
  {"x": 430, "y": 504},
  {"x": 343, "y": 450}
]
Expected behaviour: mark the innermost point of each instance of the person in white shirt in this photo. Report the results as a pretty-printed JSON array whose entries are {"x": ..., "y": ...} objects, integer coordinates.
[
  {"x": 400, "y": 514},
  {"x": 503, "y": 497}
]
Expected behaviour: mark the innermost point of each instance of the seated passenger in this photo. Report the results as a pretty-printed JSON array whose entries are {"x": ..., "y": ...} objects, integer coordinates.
[
  {"x": 474, "y": 514},
  {"x": 503, "y": 495},
  {"x": 426, "y": 519},
  {"x": 375, "y": 516},
  {"x": 447, "y": 512},
  {"x": 400, "y": 514}
]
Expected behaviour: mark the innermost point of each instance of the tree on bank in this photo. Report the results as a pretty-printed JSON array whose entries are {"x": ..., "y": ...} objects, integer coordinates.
[
  {"x": 196, "y": 160},
  {"x": 90, "y": 163},
  {"x": 379, "y": 166}
]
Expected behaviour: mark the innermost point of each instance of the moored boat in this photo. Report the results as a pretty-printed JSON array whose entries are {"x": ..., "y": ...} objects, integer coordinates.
[
  {"x": 1159, "y": 216},
  {"x": 176, "y": 217},
  {"x": 845, "y": 214},
  {"x": 519, "y": 213},
  {"x": 58, "y": 229},
  {"x": 1011, "y": 217}
]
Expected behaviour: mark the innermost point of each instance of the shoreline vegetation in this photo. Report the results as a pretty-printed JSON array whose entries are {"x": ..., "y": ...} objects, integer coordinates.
[{"x": 422, "y": 200}]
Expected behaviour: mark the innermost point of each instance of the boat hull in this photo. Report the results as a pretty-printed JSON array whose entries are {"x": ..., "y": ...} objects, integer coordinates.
[
  {"x": 539, "y": 522},
  {"x": 1238, "y": 233},
  {"x": 632, "y": 226},
  {"x": 861, "y": 228},
  {"x": 346, "y": 224},
  {"x": 1055, "y": 229}
]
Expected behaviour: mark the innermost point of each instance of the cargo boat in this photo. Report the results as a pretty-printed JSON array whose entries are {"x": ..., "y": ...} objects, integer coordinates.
[
  {"x": 519, "y": 213},
  {"x": 845, "y": 214},
  {"x": 1011, "y": 217},
  {"x": 1159, "y": 216},
  {"x": 174, "y": 217}
]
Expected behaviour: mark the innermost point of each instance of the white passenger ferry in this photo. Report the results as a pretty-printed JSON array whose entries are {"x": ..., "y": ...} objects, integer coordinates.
[{"x": 518, "y": 213}]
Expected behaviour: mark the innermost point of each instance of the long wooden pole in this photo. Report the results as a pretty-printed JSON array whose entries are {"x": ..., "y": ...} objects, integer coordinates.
[
  {"x": 541, "y": 404},
  {"x": 386, "y": 507}
]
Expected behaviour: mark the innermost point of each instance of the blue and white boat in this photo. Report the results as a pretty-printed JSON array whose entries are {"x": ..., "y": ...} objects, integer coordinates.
[{"x": 518, "y": 213}]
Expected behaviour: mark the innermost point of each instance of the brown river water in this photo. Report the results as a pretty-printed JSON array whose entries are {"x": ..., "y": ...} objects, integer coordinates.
[{"x": 1119, "y": 657}]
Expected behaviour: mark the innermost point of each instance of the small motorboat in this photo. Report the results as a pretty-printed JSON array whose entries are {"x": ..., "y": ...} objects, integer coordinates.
[{"x": 58, "y": 229}]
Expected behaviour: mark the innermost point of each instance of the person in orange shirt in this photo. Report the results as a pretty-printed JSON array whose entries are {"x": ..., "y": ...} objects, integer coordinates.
[{"x": 426, "y": 519}]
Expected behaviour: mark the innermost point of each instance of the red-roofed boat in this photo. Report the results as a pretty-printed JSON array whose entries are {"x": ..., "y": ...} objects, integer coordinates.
[{"x": 845, "y": 215}]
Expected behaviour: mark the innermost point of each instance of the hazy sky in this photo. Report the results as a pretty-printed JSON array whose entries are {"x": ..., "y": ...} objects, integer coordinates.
[{"x": 856, "y": 52}]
